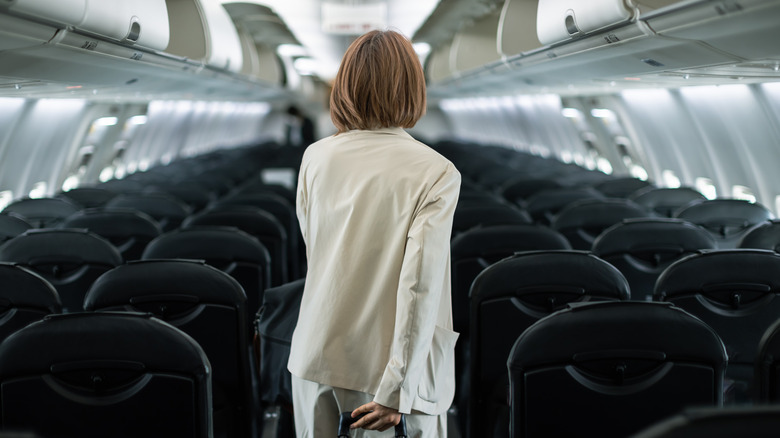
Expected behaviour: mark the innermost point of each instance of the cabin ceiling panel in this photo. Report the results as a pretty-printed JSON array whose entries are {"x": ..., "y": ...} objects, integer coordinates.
[
  {"x": 476, "y": 45},
  {"x": 265, "y": 26},
  {"x": 517, "y": 27},
  {"x": 669, "y": 44},
  {"x": 16, "y": 34},
  {"x": 450, "y": 16},
  {"x": 748, "y": 29}
]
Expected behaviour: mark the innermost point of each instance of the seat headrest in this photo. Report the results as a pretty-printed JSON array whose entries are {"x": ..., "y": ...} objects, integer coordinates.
[
  {"x": 572, "y": 334},
  {"x": 719, "y": 270},
  {"x": 563, "y": 269},
  {"x": 148, "y": 278},
  {"x": 65, "y": 244},
  {"x": 81, "y": 339}
]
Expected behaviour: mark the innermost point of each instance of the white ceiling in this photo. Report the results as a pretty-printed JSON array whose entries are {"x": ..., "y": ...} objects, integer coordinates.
[{"x": 304, "y": 19}]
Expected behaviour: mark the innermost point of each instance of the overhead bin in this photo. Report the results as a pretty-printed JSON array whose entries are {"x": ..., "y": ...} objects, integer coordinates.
[
  {"x": 438, "y": 66},
  {"x": 517, "y": 27},
  {"x": 142, "y": 23},
  {"x": 17, "y": 34},
  {"x": 202, "y": 30},
  {"x": 62, "y": 12},
  {"x": 477, "y": 45},
  {"x": 261, "y": 31},
  {"x": 260, "y": 61},
  {"x": 748, "y": 29},
  {"x": 561, "y": 20}
]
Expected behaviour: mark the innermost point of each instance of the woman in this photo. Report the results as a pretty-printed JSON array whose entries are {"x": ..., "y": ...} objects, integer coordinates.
[{"x": 375, "y": 208}]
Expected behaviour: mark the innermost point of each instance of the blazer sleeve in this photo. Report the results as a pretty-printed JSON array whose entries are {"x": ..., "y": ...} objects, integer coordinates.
[
  {"x": 423, "y": 279},
  {"x": 301, "y": 201}
]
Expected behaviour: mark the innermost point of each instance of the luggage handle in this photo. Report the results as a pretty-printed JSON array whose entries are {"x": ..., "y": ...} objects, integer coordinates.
[{"x": 346, "y": 420}]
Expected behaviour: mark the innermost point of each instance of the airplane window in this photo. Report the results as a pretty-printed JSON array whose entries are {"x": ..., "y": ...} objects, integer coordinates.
[
  {"x": 777, "y": 205},
  {"x": 98, "y": 129},
  {"x": 70, "y": 183},
  {"x": 706, "y": 187},
  {"x": 540, "y": 151},
  {"x": 106, "y": 121},
  {"x": 38, "y": 190},
  {"x": 742, "y": 192},
  {"x": 107, "y": 173},
  {"x": 594, "y": 159},
  {"x": 73, "y": 180},
  {"x": 6, "y": 196},
  {"x": 136, "y": 120},
  {"x": 601, "y": 113},
  {"x": 670, "y": 179},
  {"x": 636, "y": 170},
  {"x": 282, "y": 176},
  {"x": 604, "y": 165}
]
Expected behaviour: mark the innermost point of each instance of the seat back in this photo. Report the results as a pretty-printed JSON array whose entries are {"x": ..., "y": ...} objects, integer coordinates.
[
  {"x": 256, "y": 222},
  {"x": 476, "y": 249},
  {"x": 518, "y": 190},
  {"x": 469, "y": 217},
  {"x": 581, "y": 222},
  {"x": 43, "y": 212},
  {"x": 168, "y": 211},
  {"x": 544, "y": 205},
  {"x": 729, "y": 422},
  {"x": 97, "y": 375},
  {"x": 196, "y": 195},
  {"x": 276, "y": 322},
  {"x": 257, "y": 185},
  {"x": 122, "y": 186},
  {"x": 765, "y": 235},
  {"x": 642, "y": 248},
  {"x": 12, "y": 225},
  {"x": 664, "y": 201},
  {"x": 768, "y": 365},
  {"x": 25, "y": 297},
  {"x": 728, "y": 220},
  {"x": 511, "y": 295},
  {"x": 474, "y": 199},
  {"x": 88, "y": 197},
  {"x": 621, "y": 187},
  {"x": 736, "y": 293},
  {"x": 129, "y": 230},
  {"x": 69, "y": 259},
  {"x": 228, "y": 249},
  {"x": 202, "y": 301},
  {"x": 284, "y": 212},
  {"x": 610, "y": 369}
]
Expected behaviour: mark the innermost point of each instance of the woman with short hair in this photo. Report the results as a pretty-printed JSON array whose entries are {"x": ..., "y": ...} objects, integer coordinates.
[{"x": 375, "y": 206}]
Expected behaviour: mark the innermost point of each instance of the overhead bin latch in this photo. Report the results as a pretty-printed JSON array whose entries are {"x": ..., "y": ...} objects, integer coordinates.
[
  {"x": 571, "y": 24},
  {"x": 134, "y": 31}
]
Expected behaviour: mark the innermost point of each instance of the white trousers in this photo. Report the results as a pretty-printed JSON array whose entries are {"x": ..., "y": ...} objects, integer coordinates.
[{"x": 317, "y": 409}]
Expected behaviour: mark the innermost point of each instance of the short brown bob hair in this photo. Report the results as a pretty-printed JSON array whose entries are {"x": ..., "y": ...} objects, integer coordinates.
[{"x": 380, "y": 84}]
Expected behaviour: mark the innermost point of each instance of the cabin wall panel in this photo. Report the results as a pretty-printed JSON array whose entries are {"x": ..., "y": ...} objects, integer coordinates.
[
  {"x": 667, "y": 135},
  {"x": 528, "y": 123},
  {"x": 12, "y": 110},
  {"x": 176, "y": 129},
  {"x": 39, "y": 144},
  {"x": 738, "y": 132}
]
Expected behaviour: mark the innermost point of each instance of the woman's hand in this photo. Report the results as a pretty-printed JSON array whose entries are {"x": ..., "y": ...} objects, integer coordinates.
[{"x": 377, "y": 417}]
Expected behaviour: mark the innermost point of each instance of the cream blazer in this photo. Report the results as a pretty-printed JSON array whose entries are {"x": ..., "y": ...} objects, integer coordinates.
[{"x": 375, "y": 210}]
